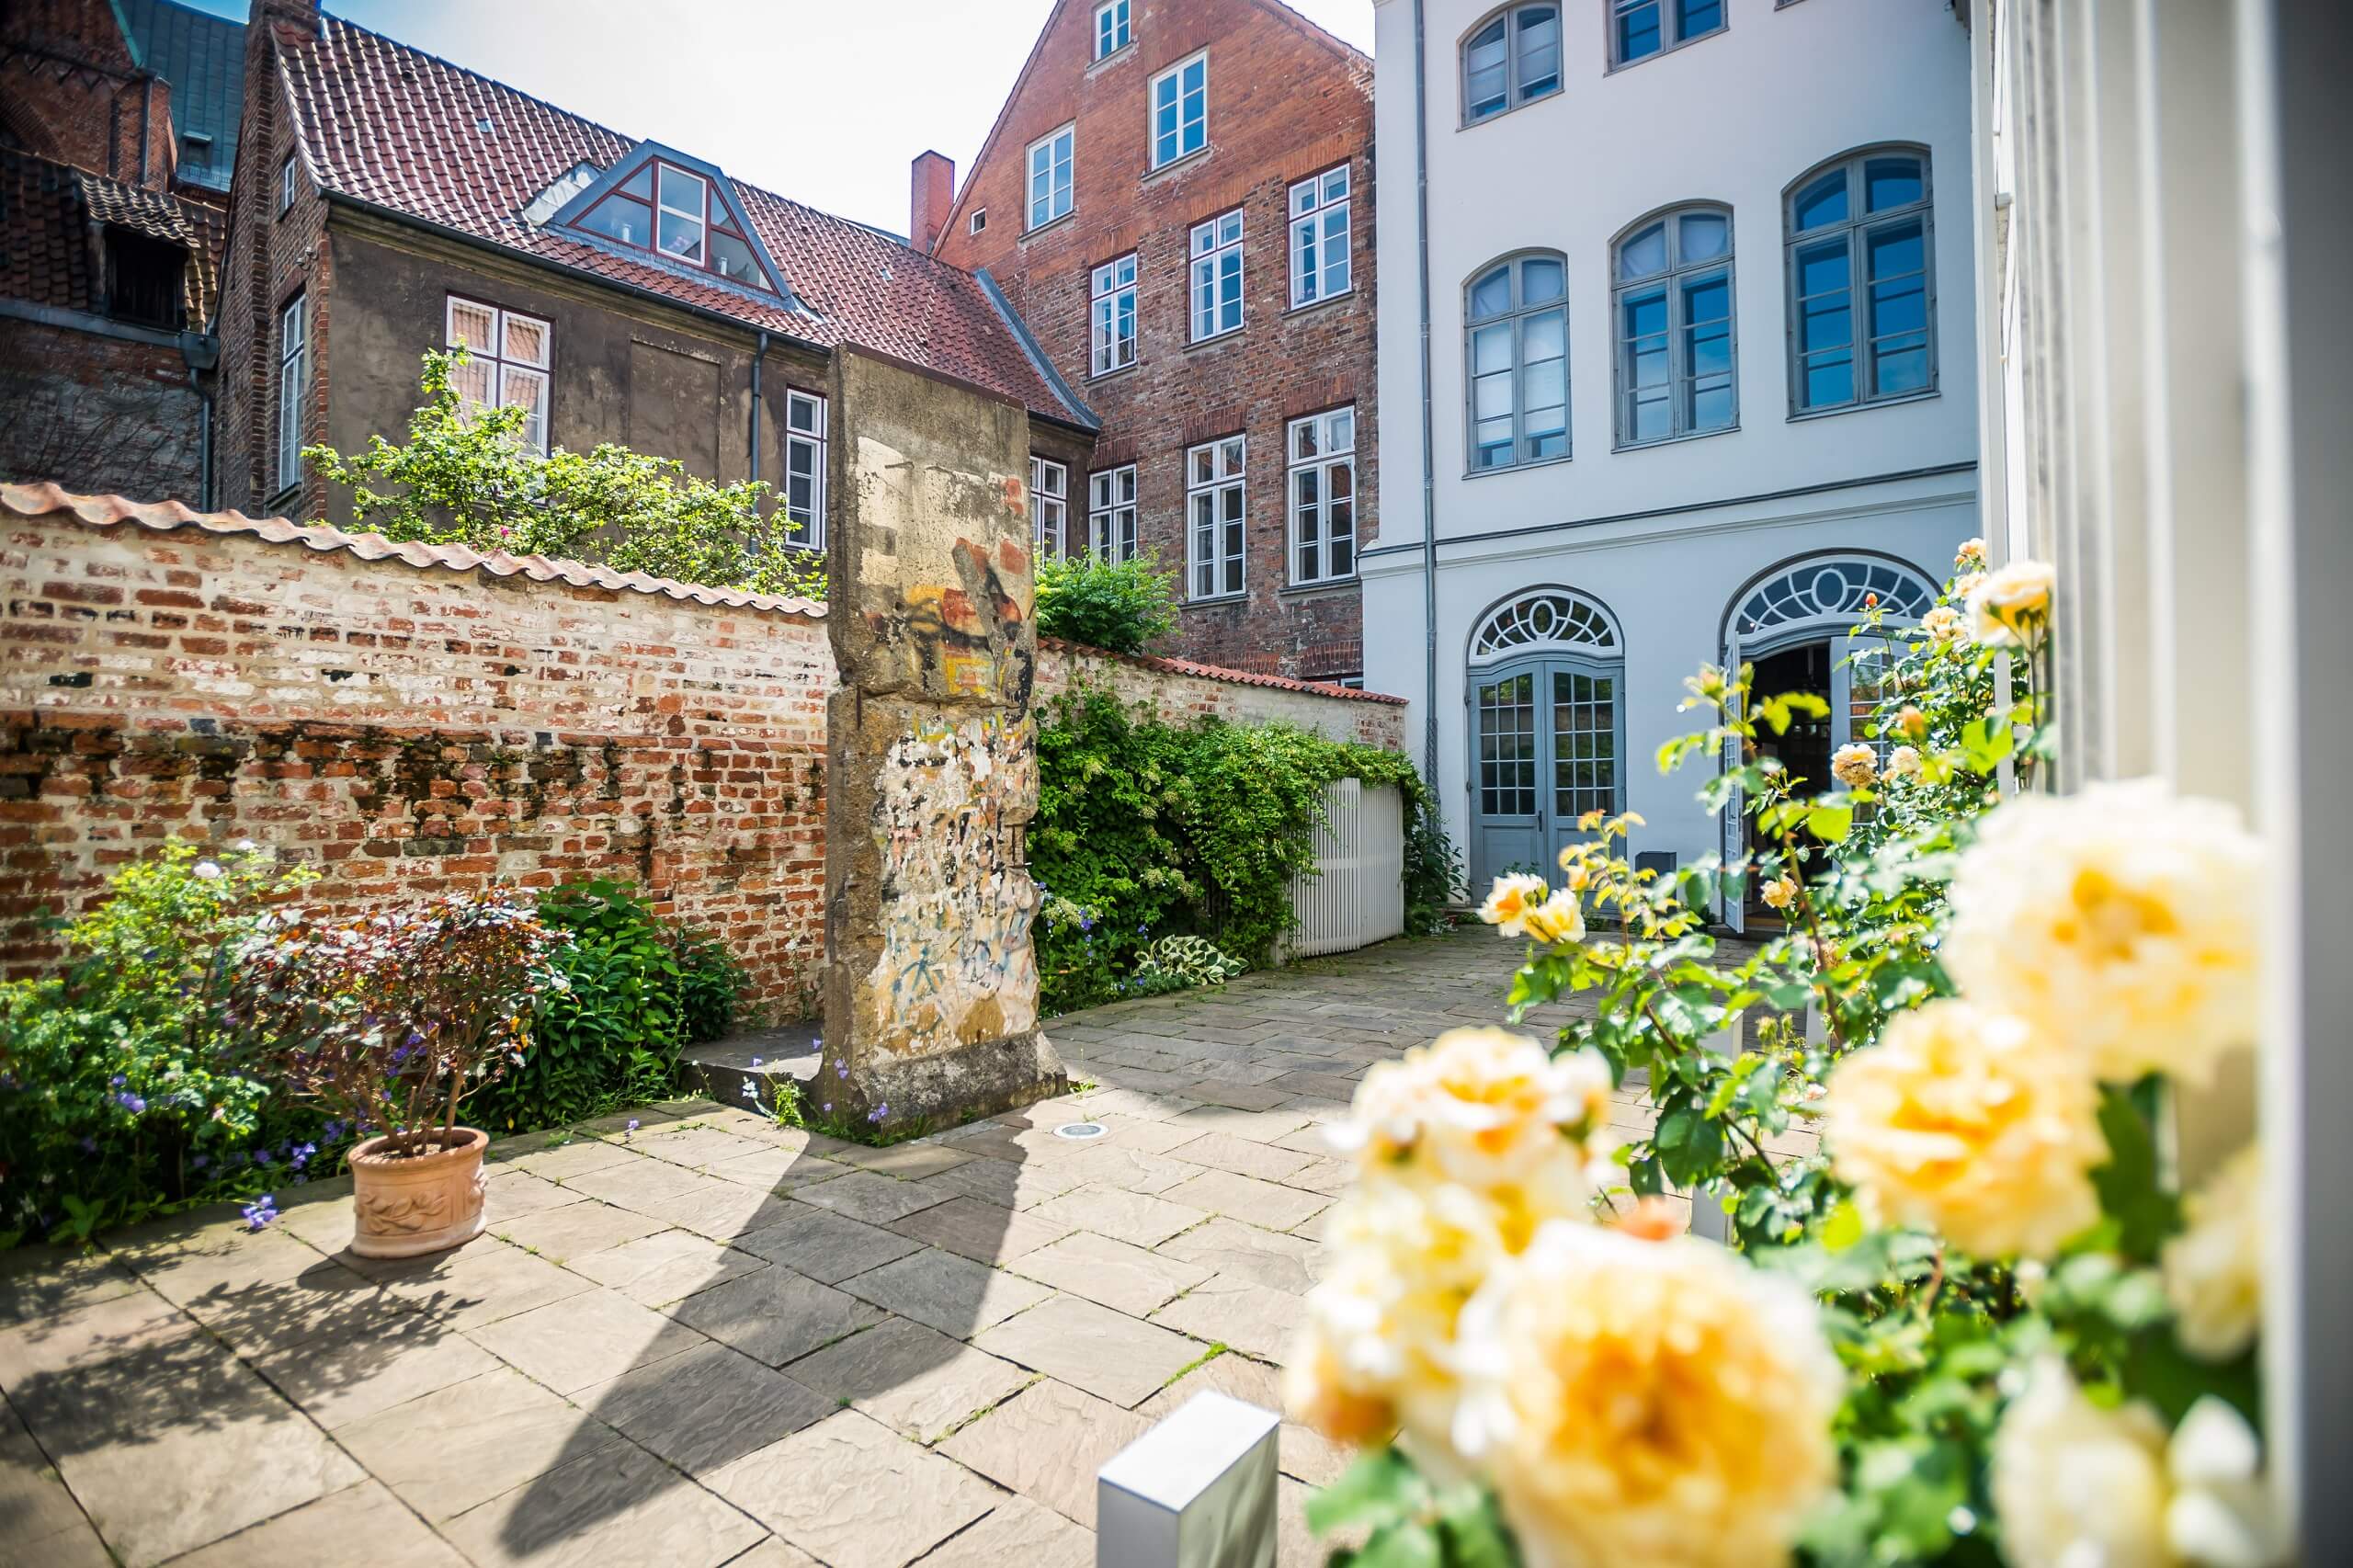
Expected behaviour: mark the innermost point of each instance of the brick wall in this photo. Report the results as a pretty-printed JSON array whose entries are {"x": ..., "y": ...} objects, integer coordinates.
[
  {"x": 409, "y": 727},
  {"x": 106, "y": 414},
  {"x": 1285, "y": 101}
]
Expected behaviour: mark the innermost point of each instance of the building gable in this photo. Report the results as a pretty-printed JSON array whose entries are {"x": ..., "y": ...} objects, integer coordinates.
[{"x": 681, "y": 213}]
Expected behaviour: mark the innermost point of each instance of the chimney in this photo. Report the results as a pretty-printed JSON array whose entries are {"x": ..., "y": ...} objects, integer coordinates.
[{"x": 931, "y": 192}]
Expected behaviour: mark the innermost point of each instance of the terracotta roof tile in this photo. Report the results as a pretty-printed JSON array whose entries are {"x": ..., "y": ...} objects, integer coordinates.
[
  {"x": 403, "y": 130},
  {"x": 46, "y": 256}
]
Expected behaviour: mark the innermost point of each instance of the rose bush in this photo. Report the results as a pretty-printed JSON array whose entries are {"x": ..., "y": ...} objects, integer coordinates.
[{"x": 1980, "y": 1322}]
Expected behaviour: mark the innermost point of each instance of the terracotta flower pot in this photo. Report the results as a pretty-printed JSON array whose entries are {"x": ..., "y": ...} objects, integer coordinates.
[{"x": 412, "y": 1204}]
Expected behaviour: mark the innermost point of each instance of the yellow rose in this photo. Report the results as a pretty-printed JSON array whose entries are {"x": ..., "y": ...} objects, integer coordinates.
[
  {"x": 1855, "y": 765},
  {"x": 1904, "y": 762},
  {"x": 1642, "y": 1402},
  {"x": 1911, "y": 722},
  {"x": 1943, "y": 624},
  {"x": 1959, "y": 1121},
  {"x": 2122, "y": 923},
  {"x": 2011, "y": 607},
  {"x": 2213, "y": 1269},
  {"x": 2076, "y": 1483},
  {"x": 1781, "y": 893},
  {"x": 1510, "y": 901},
  {"x": 1966, "y": 585},
  {"x": 1485, "y": 1107},
  {"x": 1556, "y": 920},
  {"x": 1970, "y": 554}
]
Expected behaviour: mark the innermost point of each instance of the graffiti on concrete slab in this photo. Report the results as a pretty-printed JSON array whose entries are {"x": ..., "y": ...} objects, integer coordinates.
[{"x": 955, "y": 965}]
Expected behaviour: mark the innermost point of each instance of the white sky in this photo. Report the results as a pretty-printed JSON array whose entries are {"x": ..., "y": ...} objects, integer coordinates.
[{"x": 821, "y": 100}]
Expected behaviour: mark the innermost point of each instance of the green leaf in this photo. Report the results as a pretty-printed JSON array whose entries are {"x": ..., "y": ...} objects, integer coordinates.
[
  {"x": 1403, "y": 1545},
  {"x": 1844, "y": 1228},
  {"x": 2129, "y": 1186},
  {"x": 1379, "y": 1489},
  {"x": 1829, "y": 823}
]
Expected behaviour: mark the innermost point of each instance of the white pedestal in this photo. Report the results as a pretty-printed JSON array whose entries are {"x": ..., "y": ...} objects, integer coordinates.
[{"x": 1198, "y": 1491}]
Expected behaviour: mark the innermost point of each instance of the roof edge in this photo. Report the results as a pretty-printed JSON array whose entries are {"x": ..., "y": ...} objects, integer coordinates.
[
  {"x": 1221, "y": 673},
  {"x": 1088, "y": 418}
]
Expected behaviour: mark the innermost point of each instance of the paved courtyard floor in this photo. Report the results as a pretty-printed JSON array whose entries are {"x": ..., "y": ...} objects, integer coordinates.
[{"x": 717, "y": 1340}]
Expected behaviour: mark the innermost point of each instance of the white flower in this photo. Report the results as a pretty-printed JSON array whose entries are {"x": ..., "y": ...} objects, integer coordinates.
[
  {"x": 1971, "y": 553},
  {"x": 2077, "y": 1485},
  {"x": 207, "y": 870},
  {"x": 2213, "y": 1269},
  {"x": 2011, "y": 607},
  {"x": 1781, "y": 893},
  {"x": 1943, "y": 624},
  {"x": 1557, "y": 920},
  {"x": 2122, "y": 923},
  {"x": 1904, "y": 762},
  {"x": 1854, "y": 765},
  {"x": 1510, "y": 900}
]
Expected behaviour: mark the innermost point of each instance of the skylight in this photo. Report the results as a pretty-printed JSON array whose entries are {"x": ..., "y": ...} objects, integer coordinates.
[{"x": 683, "y": 213}]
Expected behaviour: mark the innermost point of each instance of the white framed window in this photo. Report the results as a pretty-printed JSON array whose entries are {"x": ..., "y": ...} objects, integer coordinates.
[
  {"x": 1862, "y": 305},
  {"x": 1111, "y": 514},
  {"x": 1319, "y": 238},
  {"x": 507, "y": 356},
  {"x": 1217, "y": 275},
  {"x": 1513, "y": 58},
  {"x": 286, "y": 186},
  {"x": 1180, "y": 109},
  {"x": 1112, "y": 313},
  {"x": 1323, "y": 449},
  {"x": 805, "y": 469},
  {"x": 1110, "y": 28},
  {"x": 1050, "y": 162},
  {"x": 682, "y": 213},
  {"x": 1640, "y": 29},
  {"x": 293, "y": 383},
  {"x": 1515, "y": 333},
  {"x": 1678, "y": 366},
  {"x": 1050, "y": 505},
  {"x": 979, "y": 220},
  {"x": 1214, "y": 516}
]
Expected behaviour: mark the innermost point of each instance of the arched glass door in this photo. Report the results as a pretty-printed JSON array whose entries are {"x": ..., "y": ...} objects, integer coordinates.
[{"x": 1547, "y": 744}]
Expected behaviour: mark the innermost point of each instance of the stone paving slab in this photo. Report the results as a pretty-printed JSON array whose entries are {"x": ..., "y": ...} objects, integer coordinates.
[{"x": 663, "y": 1378}]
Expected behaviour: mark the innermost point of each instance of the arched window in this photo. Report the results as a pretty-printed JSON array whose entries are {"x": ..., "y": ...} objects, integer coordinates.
[
  {"x": 1512, "y": 58},
  {"x": 1823, "y": 595},
  {"x": 1545, "y": 620},
  {"x": 1515, "y": 342},
  {"x": 1677, "y": 362},
  {"x": 1862, "y": 307}
]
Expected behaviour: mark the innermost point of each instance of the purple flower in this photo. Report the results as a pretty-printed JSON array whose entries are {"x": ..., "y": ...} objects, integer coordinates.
[
  {"x": 89, "y": 1145},
  {"x": 131, "y": 1102},
  {"x": 756, "y": 1061},
  {"x": 261, "y": 1156},
  {"x": 260, "y": 1212},
  {"x": 117, "y": 1081},
  {"x": 200, "y": 1162},
  {"x": 1087, "y": 922}
]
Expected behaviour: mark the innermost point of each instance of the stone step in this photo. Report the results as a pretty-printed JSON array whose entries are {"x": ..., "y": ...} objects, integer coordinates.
[{"x": 765, "y": 1059}]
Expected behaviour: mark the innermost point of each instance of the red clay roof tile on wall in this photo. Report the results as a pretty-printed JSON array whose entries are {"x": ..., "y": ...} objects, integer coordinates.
[{"x": 401, "y": 129}]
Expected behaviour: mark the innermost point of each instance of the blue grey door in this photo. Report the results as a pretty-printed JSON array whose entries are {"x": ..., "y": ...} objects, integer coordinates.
[{"x": 1546, "y": 748}]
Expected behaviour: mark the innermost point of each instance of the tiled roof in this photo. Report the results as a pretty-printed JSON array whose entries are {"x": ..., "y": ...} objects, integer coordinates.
[
  {"x": 45, "y": 253},
  {"x": 203, "y": 57},
  {"x": 166, "y": 517},
  {"x": 398, "y": 128}
]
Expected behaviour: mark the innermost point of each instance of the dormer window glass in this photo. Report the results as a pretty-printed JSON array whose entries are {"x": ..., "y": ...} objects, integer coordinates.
[{"x": 685, "y": 217}]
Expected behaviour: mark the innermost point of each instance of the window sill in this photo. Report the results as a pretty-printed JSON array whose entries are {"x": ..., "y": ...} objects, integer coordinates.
[
  {"x": 1517, "y": 468},
  {"x": 287, "y": 497},
  {"x": 1103, "y": 61},
  {"x": 1215, "y": 599},
  {"x": 1510, "y": 109},
  {"x": 1103, "y": 378},
  {"x": 1807, "y": 413},
  {"x": 1173, "y": 164},
  {"x": 1329, "y": 587},
  {"x": 1050, "y": 223},
  {"x": 1216, "y": 339},
  {"x": 1662, "y": 53},
  {"x": 1677, "y": 441},
  {"x": 1312, "y": 306}
]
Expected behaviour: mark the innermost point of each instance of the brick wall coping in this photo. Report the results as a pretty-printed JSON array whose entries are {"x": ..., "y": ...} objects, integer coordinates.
[
  {"x": 1220, "y": 672},
  {"x": 45, "y": 501}
]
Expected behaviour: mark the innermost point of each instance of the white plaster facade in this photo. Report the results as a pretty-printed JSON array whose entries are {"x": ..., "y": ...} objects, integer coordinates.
[{"x": 1664, "y": 535}]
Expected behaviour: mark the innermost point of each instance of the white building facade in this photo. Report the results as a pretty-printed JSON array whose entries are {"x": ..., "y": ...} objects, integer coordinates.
[{"x": 1700, "y": 381}]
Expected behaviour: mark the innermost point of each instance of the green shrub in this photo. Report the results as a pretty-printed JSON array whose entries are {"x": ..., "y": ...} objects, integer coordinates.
[
  {"x": 710, "y": 983},
  {"x": 1122, "y": 608},
  {"x": 1181, "y": 963},
  {"x": 1144, "y": 830},
  {"x": 115, "y": 1099}
]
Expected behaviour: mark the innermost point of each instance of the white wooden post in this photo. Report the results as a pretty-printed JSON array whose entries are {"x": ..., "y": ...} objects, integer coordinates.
[
  {"x": 1708, "y": 1216},
  {"x": 1198, "y": 1491}
]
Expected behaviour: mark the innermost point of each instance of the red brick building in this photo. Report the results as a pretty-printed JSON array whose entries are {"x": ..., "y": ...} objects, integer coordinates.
[
  {"x": 388, "y": 202},
  {"x": 117, "y": 117},
  {"x": 1178, "y": 198}
]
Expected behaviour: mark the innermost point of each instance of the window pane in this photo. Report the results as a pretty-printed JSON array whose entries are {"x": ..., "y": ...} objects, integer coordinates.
[
  {"x": 1823, "y": 202},
  {"x": 1893, "y": 250},
  {"x": 628, "y": 221},
  {"x": 1707, "y": 308},
  {"x": 682, "y": 191},
  {"x": 1891, "y": 182},
  {"x": 1482, "y": 65},
  {"x": 1644, "y": 254},
  {"x": 527, "y": 390},
  {"x": 1492, "y": 442},
  {"x": 1826, "y": 322},
  {"x": 1546, "y": 336},
  {"x": 1491, "y": 350},
  {"x": 1637, "y": 29},
  {"x": 1645, "y": 316},
  {"x": 471, "y": 324},
  {"x": 1539, "y": 44},
  {"x": 1698, "y": 16},
  {"x": 681, "y": 236},
  {"x": 1703, "y": 237},
  {"x": 1491, "y": 296},
  {"x": 731, "y": 258},
  {"x": 1540, "y": 280},
  {"x": 1899, "y": 367},
  {"x": 641, "y": 184},
  {"x": 1829, "y": 379},
  {"x": 1821, "y": 269},
  {"x": 471, "y": 381}
]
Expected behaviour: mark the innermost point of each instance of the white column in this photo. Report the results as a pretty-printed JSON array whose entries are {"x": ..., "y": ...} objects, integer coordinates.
[{"x": 1198, "y": 1491}]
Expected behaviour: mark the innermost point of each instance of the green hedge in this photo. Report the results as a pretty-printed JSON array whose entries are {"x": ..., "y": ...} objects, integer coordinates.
[{"x": 1146, "y": 829}]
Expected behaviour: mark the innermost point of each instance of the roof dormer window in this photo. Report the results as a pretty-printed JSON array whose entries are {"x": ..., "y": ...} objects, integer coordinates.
[{"x": 686, "y": 217}]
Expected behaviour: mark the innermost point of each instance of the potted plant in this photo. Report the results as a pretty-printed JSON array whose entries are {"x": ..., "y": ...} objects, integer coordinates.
[{"x": 391, "y": 1018}]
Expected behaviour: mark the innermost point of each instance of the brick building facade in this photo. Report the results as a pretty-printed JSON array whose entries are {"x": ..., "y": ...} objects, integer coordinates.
[
  {"x": 1137, "y": 138},
  {"x": 110, "y": 197},
  {"x": 388, "y": 202}
]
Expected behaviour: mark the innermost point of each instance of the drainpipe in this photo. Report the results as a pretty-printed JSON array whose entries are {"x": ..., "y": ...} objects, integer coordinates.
[
  {"x": 146, "y": 114},
  {"x": 1430, "y": 469},
  {"x": 758, "y": 354}
]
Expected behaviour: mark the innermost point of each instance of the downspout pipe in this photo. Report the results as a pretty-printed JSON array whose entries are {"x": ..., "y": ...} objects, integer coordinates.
[
  {"x": 759, "y": 353},
  {"x": 1430, "y": 461}
]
